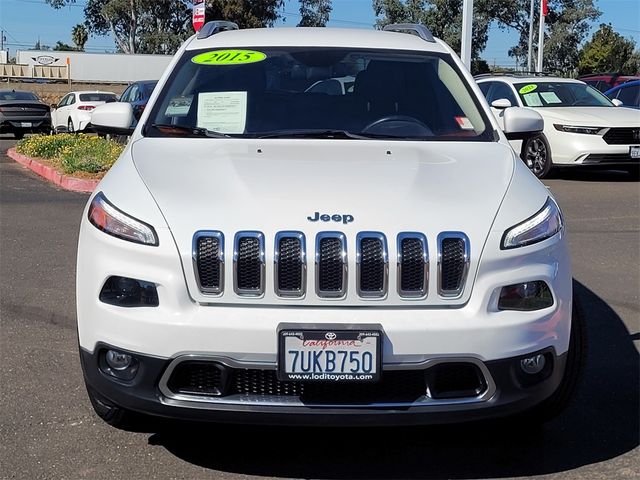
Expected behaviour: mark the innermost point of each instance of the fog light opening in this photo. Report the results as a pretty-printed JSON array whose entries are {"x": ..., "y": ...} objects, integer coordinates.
[
  {"x": 117, "y": 360},
  {"x": 533, "y": 365},
  {"x": 526, "y": 296}
]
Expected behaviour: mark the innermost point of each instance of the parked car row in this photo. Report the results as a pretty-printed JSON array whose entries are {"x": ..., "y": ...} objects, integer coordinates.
[{"x": 23, "y": 112}]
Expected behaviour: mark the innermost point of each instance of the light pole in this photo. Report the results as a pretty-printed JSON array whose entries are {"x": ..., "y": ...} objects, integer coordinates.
[
  {"x": 467, "y": 32},
  {"x": 530, "y": 51}
]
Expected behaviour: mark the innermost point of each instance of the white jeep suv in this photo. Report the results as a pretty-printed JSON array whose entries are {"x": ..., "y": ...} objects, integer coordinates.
[{"x": 265, "y": 253}]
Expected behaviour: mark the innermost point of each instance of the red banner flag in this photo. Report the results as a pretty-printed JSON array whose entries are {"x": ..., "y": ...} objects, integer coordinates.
[
  {"x": 198, "y": 15},
  {"x": 545, "y": 8}
]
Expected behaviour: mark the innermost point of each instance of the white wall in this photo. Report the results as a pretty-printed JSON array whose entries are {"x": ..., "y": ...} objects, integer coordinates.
[{"x": 100, "y": 67}]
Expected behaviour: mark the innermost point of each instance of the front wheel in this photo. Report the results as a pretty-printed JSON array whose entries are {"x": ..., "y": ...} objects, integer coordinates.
[{"x": 536, "y": 154}]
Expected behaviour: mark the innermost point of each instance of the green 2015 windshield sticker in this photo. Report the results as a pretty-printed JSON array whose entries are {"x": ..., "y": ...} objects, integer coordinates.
[
  {"x": 228, "y": 57},
  {"x": 527, "y": 88}
]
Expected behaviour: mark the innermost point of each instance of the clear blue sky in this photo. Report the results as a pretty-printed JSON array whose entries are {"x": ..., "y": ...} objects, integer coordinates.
[{"x": 25, "y": 20}]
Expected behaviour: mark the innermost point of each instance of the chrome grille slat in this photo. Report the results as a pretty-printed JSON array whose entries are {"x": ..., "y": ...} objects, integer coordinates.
[
  {"x": 413, "y": 265},
  {"x": 453, "y": 263},
  {"x": 208, "y": 261},
  {"x": 372, "y": 265},
  {"x": 290, "y": 264},
  {"x": 249, "y": 263},
  {"x": 331, "y": 265}
]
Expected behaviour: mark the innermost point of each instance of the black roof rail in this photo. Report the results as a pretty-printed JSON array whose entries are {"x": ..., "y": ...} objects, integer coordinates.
[
  {"x": 514, "y": 74},
  {"x": 412, "y": 28},
  {"x": 216, "y": 26}
]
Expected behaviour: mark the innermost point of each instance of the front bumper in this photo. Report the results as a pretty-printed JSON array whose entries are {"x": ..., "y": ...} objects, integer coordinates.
[
  {"x": 144, "y": 394},
  {"x": 582, "y": 149}
]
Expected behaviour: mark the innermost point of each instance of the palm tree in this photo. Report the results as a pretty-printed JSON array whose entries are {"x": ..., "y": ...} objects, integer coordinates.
[{"x": 79, "y": 35}]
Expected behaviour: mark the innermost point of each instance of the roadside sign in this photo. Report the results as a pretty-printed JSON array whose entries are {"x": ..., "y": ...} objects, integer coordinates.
[{"x": 198, "y": 15}]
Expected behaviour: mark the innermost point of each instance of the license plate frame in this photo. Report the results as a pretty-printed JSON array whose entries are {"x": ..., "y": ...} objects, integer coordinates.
[
  {"x": 330, "y": 338},
  {"x": 634, "y": 151}
]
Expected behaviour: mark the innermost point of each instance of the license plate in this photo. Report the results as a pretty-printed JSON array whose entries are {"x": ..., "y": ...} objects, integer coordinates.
[
  {"x": 326, "y": 355},
  {"x": 25, "y": 124},
  {"x": 634, "y": 152}
]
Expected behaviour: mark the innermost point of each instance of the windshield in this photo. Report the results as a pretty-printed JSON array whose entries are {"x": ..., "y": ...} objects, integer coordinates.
[
  {"x": 98, "y": 97},
  {"x": 561, "y": 94},
  {"x": 17, "y": 96},
  {"x": 320, "y": 92}
]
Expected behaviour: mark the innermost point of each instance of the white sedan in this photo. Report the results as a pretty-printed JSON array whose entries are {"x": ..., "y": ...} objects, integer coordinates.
[
  {"x": 581, "y": 126},
  {"x": 73, "y": 112}
]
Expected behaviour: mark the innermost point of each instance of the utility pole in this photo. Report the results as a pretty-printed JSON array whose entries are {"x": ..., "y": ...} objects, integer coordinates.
[
  {"x": 530, "y": 52},
  {"x": 543, "y": 14},
  {"x": 467, "y": 32},
  {"x": 1, "y": 39}
]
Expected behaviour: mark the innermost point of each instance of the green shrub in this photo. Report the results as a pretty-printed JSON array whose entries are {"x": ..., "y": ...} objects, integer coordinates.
[{"x": 73, "y": 153}]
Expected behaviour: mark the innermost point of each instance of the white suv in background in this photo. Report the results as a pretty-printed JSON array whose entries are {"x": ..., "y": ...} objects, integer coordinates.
[
  {"x": 581, "y": 125},
  {"x": 73, "y": 112},
  {"x": 265, "y": 253}
]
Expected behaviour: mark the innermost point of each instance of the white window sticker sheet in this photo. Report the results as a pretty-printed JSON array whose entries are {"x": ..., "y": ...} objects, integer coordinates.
[
  {"x": 550, "y": 97},
  {"x": 224, "y": 112},
  {"x": 532, "y": 99},
  {"x": 179, "y": 106}
]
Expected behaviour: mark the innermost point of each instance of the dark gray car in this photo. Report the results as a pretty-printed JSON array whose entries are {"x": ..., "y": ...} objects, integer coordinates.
[{"x": 23, "y": 112}]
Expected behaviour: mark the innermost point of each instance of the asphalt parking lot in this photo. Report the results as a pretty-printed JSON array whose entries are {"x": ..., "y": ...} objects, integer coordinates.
[{"x": 48, "y": 429}]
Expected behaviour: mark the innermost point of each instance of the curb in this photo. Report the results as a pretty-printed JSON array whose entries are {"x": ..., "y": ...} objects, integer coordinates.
[{"x": 52, "y": 175}]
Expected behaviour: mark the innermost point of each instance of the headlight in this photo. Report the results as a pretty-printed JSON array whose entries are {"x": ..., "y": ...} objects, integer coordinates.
[
  {"x": 104, "y": 216},
  {"x": 544, "y": 224},
  {"x": 578, "y": 129}
]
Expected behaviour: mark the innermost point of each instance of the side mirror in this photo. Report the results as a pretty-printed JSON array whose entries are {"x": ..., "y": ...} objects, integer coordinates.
[
  {"x": 521, "y": 123},
  {"x": 113, "y": 118},
  {"x": 617, "y": 102},
  {"x": 501, "y": 104}
]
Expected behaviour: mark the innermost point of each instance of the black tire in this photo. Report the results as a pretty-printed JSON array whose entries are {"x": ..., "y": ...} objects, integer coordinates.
[
  {"x": 536, "y": 155},
  {"x": 70, "y": 128},
  {"x": 576, "y": 357},
  {"x": 112, "y": 414},
  {"x": 18, "y": 135}
]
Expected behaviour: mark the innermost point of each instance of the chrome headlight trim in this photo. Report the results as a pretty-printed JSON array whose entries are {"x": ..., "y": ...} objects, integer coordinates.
[{"x": 544, "y": 224}]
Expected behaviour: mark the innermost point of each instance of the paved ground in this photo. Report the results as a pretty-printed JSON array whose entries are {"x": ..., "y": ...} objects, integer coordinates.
[{"x": 48, "y": 429}]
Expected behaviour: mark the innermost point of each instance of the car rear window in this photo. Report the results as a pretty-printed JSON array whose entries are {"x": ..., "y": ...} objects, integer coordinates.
[
  {"x": 277, "y": 91},
  {"x": 18, "y": 96},
  {"x": 97, "y": 97}
]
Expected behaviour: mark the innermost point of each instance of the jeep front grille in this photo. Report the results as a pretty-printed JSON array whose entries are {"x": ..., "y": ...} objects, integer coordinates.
[
  {"x": 331, "y": 265},
  {"x": 208, "y": 258},
  {"x": 413, "y": 265},
  {"x": 453, "y": 263},
  {"x": 290, "y": 264},
  {"x": 372, "y": 264},
  {"x": 248, "y": 263}
]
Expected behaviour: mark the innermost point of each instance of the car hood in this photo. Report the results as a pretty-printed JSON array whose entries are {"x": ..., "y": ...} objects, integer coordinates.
[
  {"x": 272, "y": 185},
  {"x": 592, "y": 116}
]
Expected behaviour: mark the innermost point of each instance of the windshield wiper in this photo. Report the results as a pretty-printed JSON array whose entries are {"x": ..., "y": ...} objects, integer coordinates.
[
  {"x": 191, "y": 131},
  {"x": 314, "y": 133}
]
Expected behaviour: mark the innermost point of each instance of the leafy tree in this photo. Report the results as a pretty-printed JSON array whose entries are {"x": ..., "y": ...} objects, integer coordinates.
[
  {"x": 79, "y": 35},
  {"x": 64, "y": 47},
  {"x": 314, "y": 13},
  {"x": 443, "y": 17},
  {"x": 246, "y": 13},
  {"x": 566, "y": 26},
  {"x": 607, "y": 51}
]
